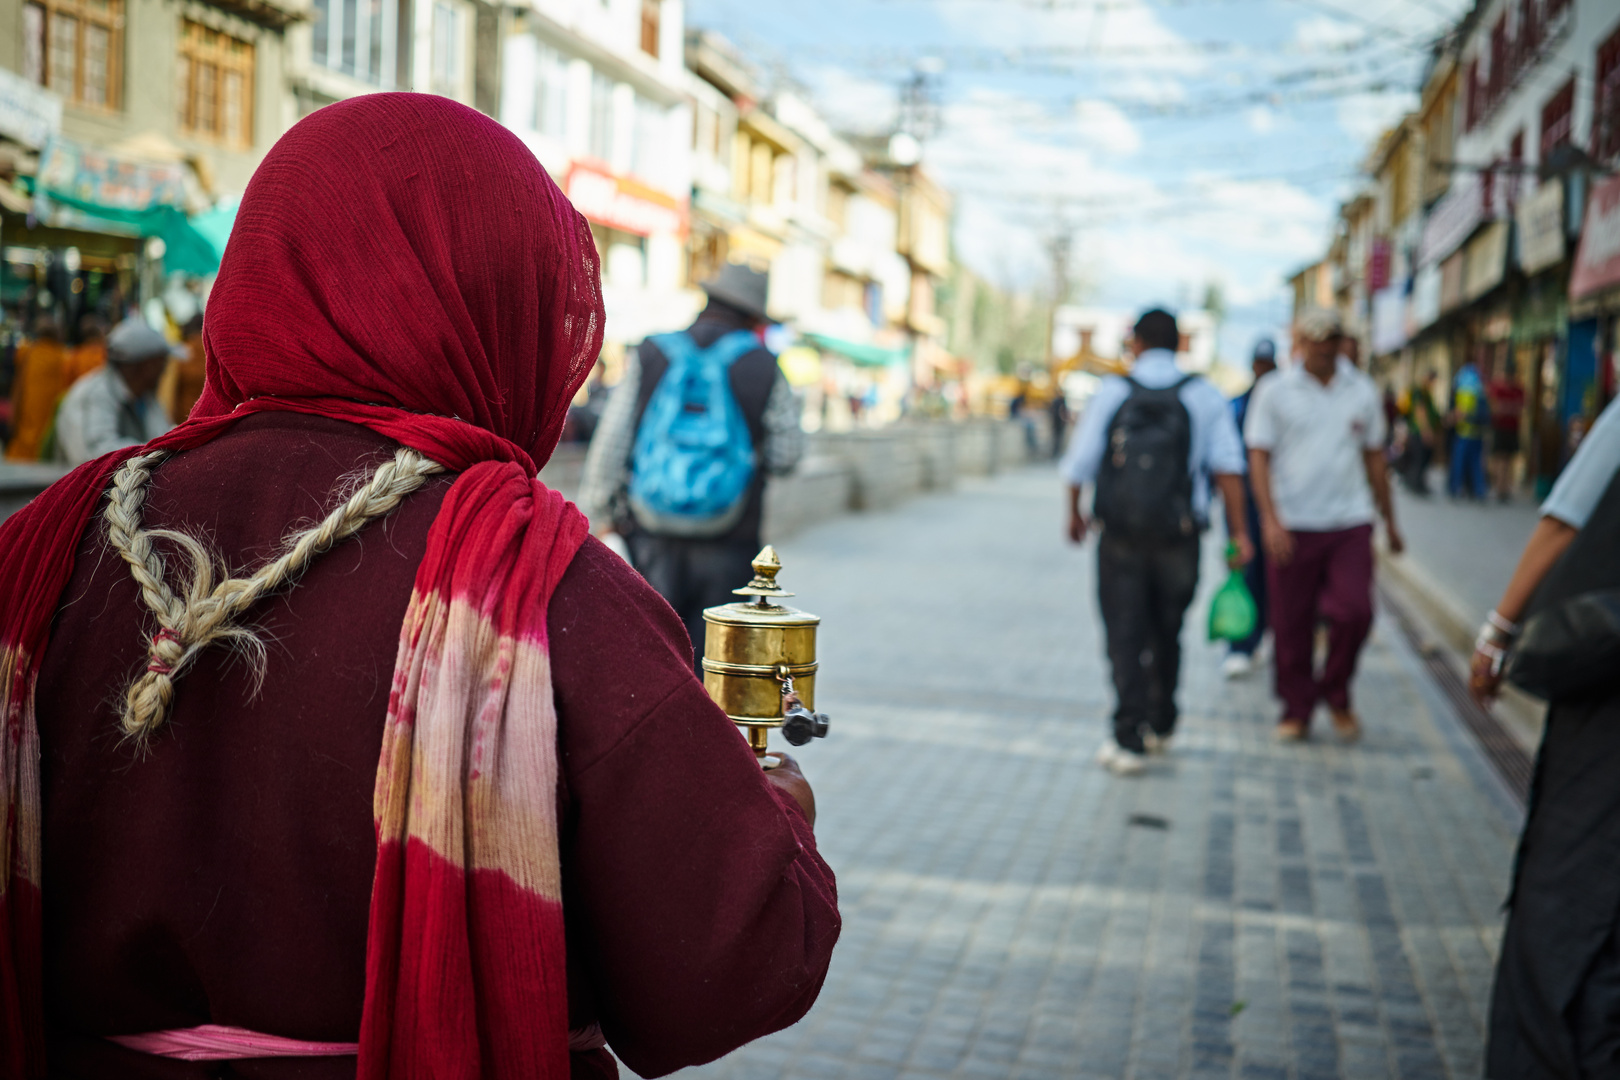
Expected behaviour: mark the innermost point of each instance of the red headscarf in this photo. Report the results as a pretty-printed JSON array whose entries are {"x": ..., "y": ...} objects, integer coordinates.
[{"x": 402, "y": 262}]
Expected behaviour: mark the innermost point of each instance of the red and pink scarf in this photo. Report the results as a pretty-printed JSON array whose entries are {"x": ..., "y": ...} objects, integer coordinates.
[{"x": 436, "y": 287}]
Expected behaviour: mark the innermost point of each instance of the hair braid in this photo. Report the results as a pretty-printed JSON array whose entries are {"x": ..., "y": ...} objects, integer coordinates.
[{"x": 207, "y": 613}]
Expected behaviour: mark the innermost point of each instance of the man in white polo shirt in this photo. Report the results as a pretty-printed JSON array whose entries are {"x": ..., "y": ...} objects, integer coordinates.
[{"x": 1315, "y": 434}]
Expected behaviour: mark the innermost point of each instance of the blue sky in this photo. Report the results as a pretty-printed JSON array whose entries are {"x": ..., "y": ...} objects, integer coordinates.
[{"x": 1186, "y": 141}]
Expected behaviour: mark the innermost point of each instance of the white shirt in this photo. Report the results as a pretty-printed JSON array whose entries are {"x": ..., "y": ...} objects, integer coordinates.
[
  {"x": 99, "y": 415},
  {"x": 1216, "y": 445},
  {"x": 1584, "y": 480},
  {"x": 1317, "y": 435}
]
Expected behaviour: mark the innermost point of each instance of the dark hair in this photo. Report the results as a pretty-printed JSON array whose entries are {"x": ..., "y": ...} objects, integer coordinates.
[{"x": 1157, "y": 329}]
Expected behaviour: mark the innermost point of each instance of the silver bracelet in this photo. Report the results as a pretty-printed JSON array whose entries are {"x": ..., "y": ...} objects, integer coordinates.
[{"x": 1510, "y": 629}]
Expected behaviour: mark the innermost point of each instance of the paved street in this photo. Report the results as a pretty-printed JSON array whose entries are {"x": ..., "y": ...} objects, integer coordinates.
[
  {"x": 1473, "y": 574},
  {"x": 1246, "y": 910}
]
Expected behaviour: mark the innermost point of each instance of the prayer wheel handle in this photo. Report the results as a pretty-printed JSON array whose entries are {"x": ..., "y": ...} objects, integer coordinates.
[{"x": 799, "y": 724}]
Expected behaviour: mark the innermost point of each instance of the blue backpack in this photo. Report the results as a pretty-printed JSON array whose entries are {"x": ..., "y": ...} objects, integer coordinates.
[{"x": 694, "y": 457}]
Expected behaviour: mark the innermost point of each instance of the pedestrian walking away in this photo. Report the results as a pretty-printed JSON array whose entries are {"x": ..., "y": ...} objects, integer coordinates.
[
  {"x": 1506, "y": 399},
  {"x": 1148, "y": 444},
  {"x": 1555, "y": 1007},
  {"x": 1240, "y": 658},
  {"x": 472, "y": 813},
  {"x": 680, "y": 457},
  {"x": 1470, "y": 422},
  {"x": 1316, "y": 458}
]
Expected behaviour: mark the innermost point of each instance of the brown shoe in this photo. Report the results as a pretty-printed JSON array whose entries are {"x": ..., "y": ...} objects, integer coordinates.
[
  {"x": 1346, "y": 726},
  {"x": 1291, "y": 731}
]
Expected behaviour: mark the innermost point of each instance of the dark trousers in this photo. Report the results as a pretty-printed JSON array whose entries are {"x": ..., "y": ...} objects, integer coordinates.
[
  {"x": 694, "y": 574},
  {"x": 1144, "y": 589},
  {"x": 1328, "y": 578},
  {"x": 1254, "y": 576},
  {"x": 1468, "y": 468}
]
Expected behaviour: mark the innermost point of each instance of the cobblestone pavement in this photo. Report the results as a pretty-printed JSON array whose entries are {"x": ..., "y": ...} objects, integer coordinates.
[{"x": 1245, "y": 910}]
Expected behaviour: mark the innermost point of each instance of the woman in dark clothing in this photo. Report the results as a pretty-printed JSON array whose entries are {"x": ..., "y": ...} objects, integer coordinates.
[
  {"x": 1555, "y": 1008},
  {"x": 468, "y": 812}
]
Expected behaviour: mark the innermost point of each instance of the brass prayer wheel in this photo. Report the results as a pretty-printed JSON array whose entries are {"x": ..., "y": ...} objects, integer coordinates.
[{"x": 755, "y": 651}]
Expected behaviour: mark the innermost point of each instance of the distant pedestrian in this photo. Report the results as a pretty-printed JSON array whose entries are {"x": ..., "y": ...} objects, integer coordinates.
[
  {"x": 680, "y": 456},
  {"x": 1058, "y": 410},
  {"x": 115, "y": 405},
  {"x": 1506, "y": 399},
  {"x": 1423, "y": 434},
  {"x": 1149, "y": 443},
  {"x": 1555, "y": 1007},
  {"x": 1315, "y": 437},
  {"x": 1470, "y": 419},
  {"x": 1240, "y": 659}
]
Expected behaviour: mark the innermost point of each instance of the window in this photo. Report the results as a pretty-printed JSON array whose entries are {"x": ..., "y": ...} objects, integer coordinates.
[
  {"x": 448, "y": 48},
  {"x": 75, "y": 47},
  {"x": 357, "y": 38},
  {"x": 1529, "y": 32},
  {"x": 601, "y": 139},
  {"x": 1498, "y": 79},
  {"x": 1471, "y": 102},
  {"x": 1606, "y": 111},
  {"x": 216, "y": 85},
  {"x": 648, "y": 154},
  {"x": 1515, "y": 173},
  {"x": 1557, "y": 120},
  {"x": 551, "y": 93},
  {"x": 649, "y": 27}
]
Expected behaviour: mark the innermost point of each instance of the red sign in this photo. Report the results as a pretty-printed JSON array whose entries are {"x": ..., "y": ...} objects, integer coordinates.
[
  {"x": 1378, "y": 265},
  {"x": 1597, "y": 260},
  {"x": 623, "y": 204}
]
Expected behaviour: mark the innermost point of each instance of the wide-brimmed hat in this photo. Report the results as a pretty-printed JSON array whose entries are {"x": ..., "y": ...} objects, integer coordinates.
[
  {"x": 741, "y": 287},
  {"x": 1319, "y": 324}
]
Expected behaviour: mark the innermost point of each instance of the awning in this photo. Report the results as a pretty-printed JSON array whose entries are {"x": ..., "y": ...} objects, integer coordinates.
[
  {"x": 865, "y": 355},
  {"x": 145, "y": 198}
]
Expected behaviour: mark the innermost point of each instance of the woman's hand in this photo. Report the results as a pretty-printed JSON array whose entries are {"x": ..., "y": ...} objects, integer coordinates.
[{"x": 785, "y": 776}]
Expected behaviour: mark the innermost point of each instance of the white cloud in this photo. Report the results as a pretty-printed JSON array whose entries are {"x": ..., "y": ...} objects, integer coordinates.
[
  {"x": 1260, "y": 119},
  {"x": 1106, "y": 127},
  {"x": 1364, "y": 117},
  {"x": 853, "y": 102},
  {"x": 1326, "y": 32}
]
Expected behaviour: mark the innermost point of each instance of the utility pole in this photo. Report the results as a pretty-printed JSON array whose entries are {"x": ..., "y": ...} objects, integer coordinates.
[{"x": 1058, "y": 247}]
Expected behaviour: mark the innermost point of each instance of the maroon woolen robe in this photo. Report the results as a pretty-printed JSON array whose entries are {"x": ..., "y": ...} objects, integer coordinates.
[{"x": 225, "y": 877}]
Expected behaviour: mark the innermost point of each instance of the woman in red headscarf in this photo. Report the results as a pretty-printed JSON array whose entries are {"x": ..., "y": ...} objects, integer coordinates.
[{"x": 333, "y": 745}]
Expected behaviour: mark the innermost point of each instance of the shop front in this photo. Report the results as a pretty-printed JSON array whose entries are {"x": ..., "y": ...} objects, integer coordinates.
[{"x": 1594, "y": 303}]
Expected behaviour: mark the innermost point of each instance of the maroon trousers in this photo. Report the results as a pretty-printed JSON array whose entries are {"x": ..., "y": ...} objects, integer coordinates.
[{"x": 1329, "y": 579}]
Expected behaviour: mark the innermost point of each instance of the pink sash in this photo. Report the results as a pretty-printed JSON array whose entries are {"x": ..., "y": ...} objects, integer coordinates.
[{"x": 216, "y": 1042}]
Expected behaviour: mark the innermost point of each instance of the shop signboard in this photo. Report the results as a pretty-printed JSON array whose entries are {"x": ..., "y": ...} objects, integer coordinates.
[
  {"x": 1597, "y": 259},
  {"x": 28, "y": 113},
  {"x": 1541, "y": 227},
  {"x": 96, "y": 182},
  {"x": 1452, "y": 221},
  {"x": 1378, "y": 260},
  {"x": 1451, "y": 283},
  {"x": 1389, "y": 319},
  {"x": 1425, "y": 306},
  {"x": 620, "y": 203},
  {"x": 1485, "y": 260}
]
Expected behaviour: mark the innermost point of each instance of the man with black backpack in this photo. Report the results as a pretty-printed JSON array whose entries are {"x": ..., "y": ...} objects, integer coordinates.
[
  {"x": 680, "y": 456},
  {"x": 1150, "y": 443}
]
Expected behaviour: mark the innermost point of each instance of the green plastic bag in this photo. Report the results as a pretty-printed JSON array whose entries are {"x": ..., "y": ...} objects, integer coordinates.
[{"x": 1232, "y": 613}]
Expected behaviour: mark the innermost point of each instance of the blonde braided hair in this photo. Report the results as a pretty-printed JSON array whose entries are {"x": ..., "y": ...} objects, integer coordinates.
[{"x": 207, "y": 613}]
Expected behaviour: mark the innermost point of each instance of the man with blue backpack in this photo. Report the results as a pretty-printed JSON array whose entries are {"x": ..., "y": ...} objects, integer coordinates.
[
  {"x": 1149, "y": 444},
  {"x": 678, "y": 464}
]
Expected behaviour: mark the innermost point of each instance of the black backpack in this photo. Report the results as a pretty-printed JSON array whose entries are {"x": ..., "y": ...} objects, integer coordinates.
[{"x": 1144, "y": 490}]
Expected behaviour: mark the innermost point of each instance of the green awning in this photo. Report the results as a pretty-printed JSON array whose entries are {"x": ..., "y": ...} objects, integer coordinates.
[{"x": 865, "y": 355}]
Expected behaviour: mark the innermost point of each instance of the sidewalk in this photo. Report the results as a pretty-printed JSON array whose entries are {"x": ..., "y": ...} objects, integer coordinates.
[{"x": 1245, "y": 910}]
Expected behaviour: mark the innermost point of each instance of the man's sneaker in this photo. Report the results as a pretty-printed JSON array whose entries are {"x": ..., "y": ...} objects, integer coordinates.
[
  {"x": 1156, "y": 744},
  {"x": 1346, "y": 726},
  {"x": 1291, "y": 731},
  {"x": 1120, "y": 761},
  {"x": 1237, "y": 665}
]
